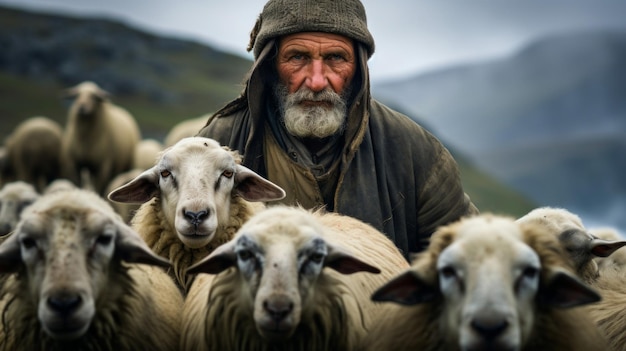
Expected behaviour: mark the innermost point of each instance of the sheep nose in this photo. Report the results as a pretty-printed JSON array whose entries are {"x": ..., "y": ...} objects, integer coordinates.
[
  {"x": 195, "y": 218},
  {"x": 64, "y": 304},
  {"x": 278, "y": 310},
  {"x": 488, "y": 328}
]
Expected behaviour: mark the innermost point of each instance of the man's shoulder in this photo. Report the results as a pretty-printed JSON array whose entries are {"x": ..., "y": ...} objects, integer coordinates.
[{"x": 385, "y": 119}]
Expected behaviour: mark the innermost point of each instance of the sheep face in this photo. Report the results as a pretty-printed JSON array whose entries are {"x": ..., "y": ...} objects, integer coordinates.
[
  {"x": 195, "y": 180},
  {"x": 64, "y": 248},
  {"x": 14, "y": 197},
  {"x": 280, "y": 255},
  {"x": 489, "y": 282},
  {"x": 489, "y": 287},
  {"x": 87, "y": 99}
]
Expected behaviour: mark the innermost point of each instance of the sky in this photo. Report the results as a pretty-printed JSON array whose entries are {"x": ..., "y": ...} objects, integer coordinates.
[{"x": 412, "y": 36}]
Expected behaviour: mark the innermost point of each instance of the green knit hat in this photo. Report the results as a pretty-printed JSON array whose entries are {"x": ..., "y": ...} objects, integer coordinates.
[{"x": 283, "y": 17}]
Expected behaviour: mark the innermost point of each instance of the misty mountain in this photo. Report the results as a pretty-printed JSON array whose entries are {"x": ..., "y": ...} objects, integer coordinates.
[{"x": 549, "y": 120}]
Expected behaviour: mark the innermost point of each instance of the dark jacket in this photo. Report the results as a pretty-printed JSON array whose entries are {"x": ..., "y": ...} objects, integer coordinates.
[{"x": 393, "y": 174}]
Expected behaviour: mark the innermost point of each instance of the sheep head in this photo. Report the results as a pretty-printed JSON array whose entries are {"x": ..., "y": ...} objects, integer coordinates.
[
  {"x": 65, "y": 247},
  {"x": 489, "y": 282},
  {"x": 14, "y": 197},
  {"x": 88, "y": 97},
  {"x": 581, "y": 246},
  {"x": 279, "y": 255},
  {"x": 195, "y": 180}
]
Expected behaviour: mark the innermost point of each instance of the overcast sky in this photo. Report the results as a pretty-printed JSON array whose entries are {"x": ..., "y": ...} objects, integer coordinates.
[{"x": 411, "y": 36}]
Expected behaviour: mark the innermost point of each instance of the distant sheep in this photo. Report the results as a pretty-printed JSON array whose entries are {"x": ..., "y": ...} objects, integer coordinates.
[
  {"x": 487, "y": 283},
  {"x": 186, "y": 128},
  {"x": 146, "y": 153},
  {"x": 84, "y": 281},
  {"x": 581, "y": 246},
  {"x": 194, "y": 199},
  {"x": 14, "y": 197},
  {"x": 34, "y": 151},
  {"x": 100, "y": 138},
  {"x": 286, "y": 282}
]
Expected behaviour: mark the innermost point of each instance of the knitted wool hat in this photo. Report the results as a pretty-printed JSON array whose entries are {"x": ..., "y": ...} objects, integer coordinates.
[{"x": 283, "y": 17}]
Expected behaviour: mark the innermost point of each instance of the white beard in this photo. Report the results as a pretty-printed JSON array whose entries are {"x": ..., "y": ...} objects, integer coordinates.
[{"x": 317, "y": 121}]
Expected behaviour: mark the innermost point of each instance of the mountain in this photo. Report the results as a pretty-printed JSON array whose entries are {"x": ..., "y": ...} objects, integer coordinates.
[
  {"x": 550, "y": 120},
  {"x": 159, "y": 80}
]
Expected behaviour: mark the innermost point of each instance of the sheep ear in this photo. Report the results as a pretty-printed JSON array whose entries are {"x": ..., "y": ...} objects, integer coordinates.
[
  {"x": 139, "y": 190},
  {"x": 563, "y": 290},
  {"x": 605, "y": 248},
  {"x": 10, "y": 254},
  {"x": 219, "y": 260},
  {"x": 130, "y": 247},
  {"x": 406, "y": 289},
  {"x": 253, "y": 187},
  {"x": 345, "y": 263}
]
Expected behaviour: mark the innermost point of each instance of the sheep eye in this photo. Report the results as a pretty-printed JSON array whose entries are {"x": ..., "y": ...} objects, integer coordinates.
[
  {"x": 28, "y": 243},
  {"x": 317, "y": 258},
  {"x": 165, "y": 173},
  {"x": 228, "y": 173},
  {"x": 447, "y": 272},
  {"x": 244, "y": 255},
  {"x": 104, "y": 239},
  {"x": 530, "y": 272}
]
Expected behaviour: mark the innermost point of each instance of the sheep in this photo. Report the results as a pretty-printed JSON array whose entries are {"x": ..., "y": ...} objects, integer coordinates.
[
  {"x": 146, "y": 153},
  {"x": 81, "y": 279},
  {"x": 617, "y": 260},
  {"x": 60, "y": 184},
  {"x": 99, "y": 139},
  {"x": 268, "y": 289},
  {"x": 14, "y": 197},
  {"x": 186, "y": 128},
  {"x": 194, "y": 199},
  {"x": 34, "y": 151},
  {"x": 608, "y": 314},
  {"x": 582, "y": 247},
  {"x": 126, "y": 210},
  {"x": 6, "y": 171},
  {"x": 487, "y": 283}
]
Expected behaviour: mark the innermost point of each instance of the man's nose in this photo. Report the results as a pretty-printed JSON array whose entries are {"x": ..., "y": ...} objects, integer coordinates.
[{"x": 316, "y": 80}]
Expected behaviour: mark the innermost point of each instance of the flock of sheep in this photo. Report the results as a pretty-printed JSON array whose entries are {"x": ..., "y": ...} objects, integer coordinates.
[{"x": 111, "y": 242}]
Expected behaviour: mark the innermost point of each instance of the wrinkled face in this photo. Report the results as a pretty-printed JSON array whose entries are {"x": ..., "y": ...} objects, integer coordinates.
[
  {"x": 196, "y": 175},
  {"x": 489, "y": 281},
  {"x": 280, "y": 271},
  {"x": 66, "y": 254},
  {"x": 315, "y": 72}
]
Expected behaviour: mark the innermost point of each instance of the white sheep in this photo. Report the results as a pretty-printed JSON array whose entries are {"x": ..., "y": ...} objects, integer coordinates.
[
  {"x": 487, "y": 283},
  {"x": 194, "y": 199},
  {"x": 617, "y": 260},
  {"x": 34, "y": 151},
  {"x": 185, "y": 128},
  {"x": 84, "y": 280},
  {"x": 146, "y": 153},
  {"x": 286, "y": 282},
  {"x": 581, "y": 246},
  {"x": 126, "y": 210},
  {"x": 100, "y": 138},
  {"x": 14, "y": 197}
]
